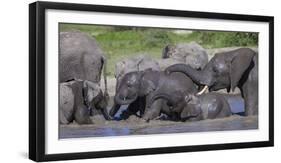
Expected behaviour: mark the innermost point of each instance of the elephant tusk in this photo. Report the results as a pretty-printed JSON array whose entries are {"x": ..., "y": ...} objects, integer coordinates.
[{"x": 202, "y": 91}]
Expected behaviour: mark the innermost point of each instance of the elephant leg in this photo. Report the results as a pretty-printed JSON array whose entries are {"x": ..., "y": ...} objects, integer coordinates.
[
  {"x": 153, "y": 111},
  {"x": 166, "y": 109},
  {"x": 82, "y": 115},
  {"x": 114, "y": 109},
  {"x": 250, "y": 93}
]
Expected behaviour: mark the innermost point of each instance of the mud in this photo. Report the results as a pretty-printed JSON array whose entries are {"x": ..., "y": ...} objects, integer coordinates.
[{"x": 136, "y": 126}]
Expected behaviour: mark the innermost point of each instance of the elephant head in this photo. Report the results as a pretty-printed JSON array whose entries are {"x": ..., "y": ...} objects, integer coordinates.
[
  {"x": 130, "y": 87},
  {"x": 93, "y": 96},
  {"x": 224, "y": 70},
  {"x": 168, "y": 51},
  {"x": 192, "y": 107},
  {"x": 184, "y": 103}
]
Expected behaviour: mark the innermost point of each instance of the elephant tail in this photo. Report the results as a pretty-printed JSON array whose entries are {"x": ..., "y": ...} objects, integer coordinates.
[
  {"x": 104, "y": 75},
  {"x": 162, "y": 96}
]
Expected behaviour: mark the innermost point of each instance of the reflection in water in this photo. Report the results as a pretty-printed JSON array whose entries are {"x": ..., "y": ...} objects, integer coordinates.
[{"x": 131, "y": 127}]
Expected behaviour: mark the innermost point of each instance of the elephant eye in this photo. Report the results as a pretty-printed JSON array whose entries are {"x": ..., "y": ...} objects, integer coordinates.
[
  {"x": 129, "y": 84},
  {"x": 215, "y": 69}
]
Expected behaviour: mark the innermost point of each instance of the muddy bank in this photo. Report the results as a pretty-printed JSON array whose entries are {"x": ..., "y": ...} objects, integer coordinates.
[{"x": 136, "y": 126}]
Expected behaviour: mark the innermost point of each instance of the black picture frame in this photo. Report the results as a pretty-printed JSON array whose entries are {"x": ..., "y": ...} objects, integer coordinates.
[{"x": 37, "y": 80}]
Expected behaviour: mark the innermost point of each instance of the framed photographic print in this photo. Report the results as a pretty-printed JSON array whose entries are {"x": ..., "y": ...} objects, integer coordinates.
[{"x": 108, "y": 81}]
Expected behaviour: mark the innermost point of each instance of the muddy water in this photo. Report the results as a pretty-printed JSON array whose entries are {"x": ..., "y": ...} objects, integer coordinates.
[{"x": 136, "y": 126}]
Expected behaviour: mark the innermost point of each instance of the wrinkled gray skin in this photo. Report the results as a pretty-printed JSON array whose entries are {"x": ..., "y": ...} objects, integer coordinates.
[
  {"x": 138, "y": 63},
  {"x": 95, "y": 99},
  {"x": 237, "y": 68},
  {"x": 138, "y": 87},
  {"x": 164, "y": 63},
  {"x": 72, "y": 104},
  {"x": 81, "y": 58},
  {"x": 191, "y": 107},
  {"x": 79, "y": 100},
  {"x": 189, "y": 53}
]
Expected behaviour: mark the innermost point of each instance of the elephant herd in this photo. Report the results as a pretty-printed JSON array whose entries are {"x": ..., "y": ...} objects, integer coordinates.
[{"x": 174, "y": 86}]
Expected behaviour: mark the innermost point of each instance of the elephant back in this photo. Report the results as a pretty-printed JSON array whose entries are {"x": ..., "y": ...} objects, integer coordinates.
[
  {"x": 80, "y": 57},
  {"x": 164, "y": 63}
]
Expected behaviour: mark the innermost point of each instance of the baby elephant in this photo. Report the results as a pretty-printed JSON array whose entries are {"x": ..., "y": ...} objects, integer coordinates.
[
  {"x": 196, "y": 107},
  {"x": 79, "y": 100}
]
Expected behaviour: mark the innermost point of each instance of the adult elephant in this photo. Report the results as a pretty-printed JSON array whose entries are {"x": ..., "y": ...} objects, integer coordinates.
[
  {"x": 136, "y": 88},
  {"x": 189, "y": 53},
  {"x": 80, "y": 58},
  {"x": 236, "y": 68}
]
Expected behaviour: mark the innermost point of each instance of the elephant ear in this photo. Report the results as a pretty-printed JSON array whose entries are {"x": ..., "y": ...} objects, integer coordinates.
[
  {"x": 191, "y": 99},
  {"x": 91, "y": 88},
  {"x": 187, "y": 98},
  {"x": 147, "y": 86},
  {"x": 240, "y": 62}
]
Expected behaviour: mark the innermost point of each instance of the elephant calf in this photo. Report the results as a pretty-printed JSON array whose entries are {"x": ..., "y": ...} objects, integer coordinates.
[
  {"x": 79, "y": 100},
  {"x": 196, "y": 107},
  {"x": 136, "y": 89}
]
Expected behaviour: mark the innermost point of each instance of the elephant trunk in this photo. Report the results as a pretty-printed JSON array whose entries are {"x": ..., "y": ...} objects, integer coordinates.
[
  {"x": 113, "y": 111},
  {"x": 201, "y": 77},
  {"x": 124, "y": 101}
]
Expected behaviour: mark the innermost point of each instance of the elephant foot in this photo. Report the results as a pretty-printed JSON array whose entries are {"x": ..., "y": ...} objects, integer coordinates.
[{"x": 147, "y": 117}]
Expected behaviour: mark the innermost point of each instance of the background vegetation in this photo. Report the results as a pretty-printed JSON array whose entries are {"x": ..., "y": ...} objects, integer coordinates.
[{"x": 122, "y": 42}]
